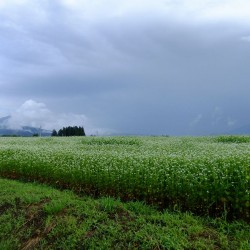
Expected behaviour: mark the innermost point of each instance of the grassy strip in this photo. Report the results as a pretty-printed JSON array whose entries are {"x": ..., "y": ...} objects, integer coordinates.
[{"x": 34, "y": 216}]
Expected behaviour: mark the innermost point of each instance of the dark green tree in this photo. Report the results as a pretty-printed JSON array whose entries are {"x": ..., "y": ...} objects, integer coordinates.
[
  {"x": 54, "y": 133},
  {"x": 60, "y": 132},
  {"x": 71, "y": 131}
]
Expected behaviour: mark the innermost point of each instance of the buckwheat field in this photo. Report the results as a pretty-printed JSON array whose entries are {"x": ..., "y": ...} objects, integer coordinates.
[{"x": 204, "y": 175}]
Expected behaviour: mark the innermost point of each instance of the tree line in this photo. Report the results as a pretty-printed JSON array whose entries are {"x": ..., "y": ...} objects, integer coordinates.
[{"x": 69, "y": 131}]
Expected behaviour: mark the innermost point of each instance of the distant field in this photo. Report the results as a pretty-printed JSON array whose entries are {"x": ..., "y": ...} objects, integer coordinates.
[{"x": 205, "y": 175}]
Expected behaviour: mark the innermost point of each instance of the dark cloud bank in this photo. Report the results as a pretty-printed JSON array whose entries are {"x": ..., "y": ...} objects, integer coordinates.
[{"x": 134, "y": 71}]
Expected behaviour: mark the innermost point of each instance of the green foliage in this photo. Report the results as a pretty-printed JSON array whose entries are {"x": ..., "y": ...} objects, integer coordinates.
[
  {"x": 69, "y": 131},
  {"x": 109, "y": 204},
  {"x": 33, "y": 216},
  {"x": 54, "y": 207},
  {"x": 189, "y": 174},
  {"x": 54, "y": 133},
  {"x": 113, "y": 141},
  {"x": 233, "y": 139}
]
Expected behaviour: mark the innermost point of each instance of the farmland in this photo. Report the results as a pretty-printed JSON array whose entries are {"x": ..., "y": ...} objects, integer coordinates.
[
  {"x": 204, "y": 175},
  {"x": 96, "y": 190}
]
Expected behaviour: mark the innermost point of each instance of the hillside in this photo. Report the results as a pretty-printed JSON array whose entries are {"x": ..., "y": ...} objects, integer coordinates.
[{"x": 23, "y": 131}]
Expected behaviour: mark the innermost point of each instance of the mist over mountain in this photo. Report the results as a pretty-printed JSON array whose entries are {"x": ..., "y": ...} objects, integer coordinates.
[
  {"x": 6, "y": 130},
  {"x": 4, "y": 120}
]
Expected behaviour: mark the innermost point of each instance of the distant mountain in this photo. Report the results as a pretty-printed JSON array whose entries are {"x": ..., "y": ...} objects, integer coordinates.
[
  {"x": 24, "y": 131},
  {"x": 3, "y": 120}
]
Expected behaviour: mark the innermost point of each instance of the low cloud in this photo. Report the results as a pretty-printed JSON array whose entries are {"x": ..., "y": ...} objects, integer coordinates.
[
  {"x": 221, "y": 120},
  {"x": 196, "y": 120},
  {"x": 217, "y": 116},
  {"x": 36, "y": 114},
  {"x": 245, "y": 38},
  {"x": 31, "y": 113},
  {"x": 231, "y": 122}
]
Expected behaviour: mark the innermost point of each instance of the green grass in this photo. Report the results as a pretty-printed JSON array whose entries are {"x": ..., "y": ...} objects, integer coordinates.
[
  {"x": 35, "y": 216},
  {"x": 233, "y": 139},
  {"x": 205, "y": 175}
]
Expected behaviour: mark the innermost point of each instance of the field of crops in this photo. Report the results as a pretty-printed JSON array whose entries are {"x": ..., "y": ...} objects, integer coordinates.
[{"x": 205, "y": 175}]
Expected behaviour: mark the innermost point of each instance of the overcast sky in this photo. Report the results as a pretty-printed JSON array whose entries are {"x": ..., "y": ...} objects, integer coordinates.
[{"x": 177, "y": 67}]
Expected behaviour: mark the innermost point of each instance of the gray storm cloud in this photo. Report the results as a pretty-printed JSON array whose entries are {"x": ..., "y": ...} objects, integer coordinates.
[{"x": 140, "y": 67}]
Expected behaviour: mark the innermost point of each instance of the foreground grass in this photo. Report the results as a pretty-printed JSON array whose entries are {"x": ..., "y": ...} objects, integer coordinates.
[{"x": 34, "y": 216}]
